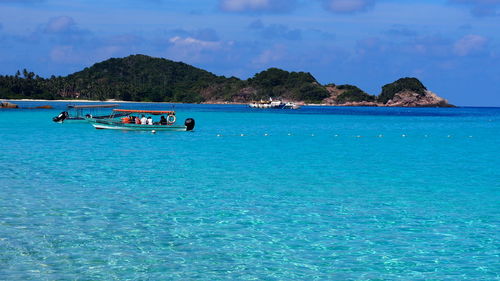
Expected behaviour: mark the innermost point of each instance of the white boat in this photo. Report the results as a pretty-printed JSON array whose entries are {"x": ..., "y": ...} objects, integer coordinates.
[
  {"x": 291, "y": 105},
  {"x": 274, "y": 104}
]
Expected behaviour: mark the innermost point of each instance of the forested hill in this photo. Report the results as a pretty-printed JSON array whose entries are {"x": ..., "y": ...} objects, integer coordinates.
[{"x": 144, "y": 78}]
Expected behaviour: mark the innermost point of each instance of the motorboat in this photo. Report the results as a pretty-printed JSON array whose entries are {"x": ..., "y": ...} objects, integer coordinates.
[
  {"x": 78, "y": 113},
  {"x": 131, "y": 120},
  {"x": 291, "y": 105},
  {"x": 274, "y": 104}
]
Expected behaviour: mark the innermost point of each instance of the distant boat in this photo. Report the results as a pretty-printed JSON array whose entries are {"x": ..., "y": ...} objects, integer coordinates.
[
  {"x": 78, "y": 113},
  {"x": 274, "y": 104},
  {"x": 128, "y": 123}
]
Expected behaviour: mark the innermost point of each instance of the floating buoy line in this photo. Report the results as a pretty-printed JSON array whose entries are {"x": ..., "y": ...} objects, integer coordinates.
[{"x": 344, "y": 136}]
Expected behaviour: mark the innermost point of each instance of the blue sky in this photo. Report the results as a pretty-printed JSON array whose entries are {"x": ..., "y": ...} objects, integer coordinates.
[{"x": 452, "y": 46}]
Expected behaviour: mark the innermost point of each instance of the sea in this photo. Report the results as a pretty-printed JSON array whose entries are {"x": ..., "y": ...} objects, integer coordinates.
[{"x": 319, "y": 193}]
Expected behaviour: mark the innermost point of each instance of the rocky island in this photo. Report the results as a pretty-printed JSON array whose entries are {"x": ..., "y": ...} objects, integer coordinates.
[
  {"x": 144, "y": 78},
  {"x": 405, "y": 92}
]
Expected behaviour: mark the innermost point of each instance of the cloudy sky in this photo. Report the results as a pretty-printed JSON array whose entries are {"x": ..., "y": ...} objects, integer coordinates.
[{"x": 452, "y": 46}]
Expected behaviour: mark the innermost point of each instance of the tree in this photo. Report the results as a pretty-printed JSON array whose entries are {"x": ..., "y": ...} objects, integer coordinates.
[{"x": 407, "y": 83}]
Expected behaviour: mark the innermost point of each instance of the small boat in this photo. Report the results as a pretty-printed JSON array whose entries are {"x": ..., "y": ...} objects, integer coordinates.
[
  {"x": 274, "y": 104},
  {"x": 129, "y": 122},
  {"x": 78, "y": 113},
  {"x": 291, "y": 105}
]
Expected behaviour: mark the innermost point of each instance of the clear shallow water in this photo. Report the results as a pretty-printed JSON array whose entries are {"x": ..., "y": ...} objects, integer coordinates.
[{"x": 319, "y": 193}]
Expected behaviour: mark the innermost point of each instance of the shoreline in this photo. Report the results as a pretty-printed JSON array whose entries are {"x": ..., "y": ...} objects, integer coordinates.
[
  {"x": 119, "y": 101},
  {"x": 226, "y": 103}
]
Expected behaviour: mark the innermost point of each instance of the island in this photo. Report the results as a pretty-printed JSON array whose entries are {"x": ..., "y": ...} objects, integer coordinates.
[{"x": 145, "y": 78}]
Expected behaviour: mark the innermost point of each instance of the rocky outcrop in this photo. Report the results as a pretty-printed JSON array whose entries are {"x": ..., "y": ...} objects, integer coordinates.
[
  {"x": 402, "y": 99},
  {"x": 361, "y": 103},
  {"x": 334, "y": 93},
  {"x": 41, "y": 107},
  {"x": 412, "y": 99},
  {"x": 8, "y": 105},
  {"x": 348, "y": 95},
  {"x": 405, "y": 92},
  {"x": 244, "y": 95}
]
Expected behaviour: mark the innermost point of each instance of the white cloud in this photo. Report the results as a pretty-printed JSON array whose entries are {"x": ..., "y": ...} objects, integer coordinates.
[
  {"x": 348, "y": 6},
  {"x": 191, "y": 42},
  {"x": 270, "y": 56},
  {"x": 69, "y": 54},
  {"x": 481, "y": 7},
  {"x": 257, "y": 5},
  {"x": 64, "y": 54},
  {"x": 192, "y": 50},
  {"x": 242, "y": 5},
  {"x": 63, "y": 30},
  {"x": 469, "y": 44},
  {"x": 60, "y": 24}
]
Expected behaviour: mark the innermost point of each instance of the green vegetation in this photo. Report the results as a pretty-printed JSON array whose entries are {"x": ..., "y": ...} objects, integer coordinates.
[
  {"x": 299, "y": 86},
  {"x": 134, "y": 78},
  {"x": 410, "y": 84},
  {"x": 144, "y": 78},
  {"x": 28, "y": 85},
  {"x": 353, "y": 94}
]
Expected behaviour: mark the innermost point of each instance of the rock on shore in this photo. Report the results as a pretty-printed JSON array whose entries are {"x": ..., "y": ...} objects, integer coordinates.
[
  {"x": 8, "y": 105},
  {"x": 405, "y": 92},
  {"x": 411, "y": 99}
]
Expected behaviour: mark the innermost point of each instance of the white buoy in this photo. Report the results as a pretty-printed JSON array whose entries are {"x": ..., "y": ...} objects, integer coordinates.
[
  {"x": 265, "y": 135},
  {"x": 153, "y": 131},
  {"x": 218, "y": 135},
  {"x": 336, "y": 135},
  {"x": 403, "y": 135},
  {"x": 242, "y": 135},
  {"x": 380, "y": 136},
  {"x": 358, "y": 136},
  {"x": 289, "y": 134}
]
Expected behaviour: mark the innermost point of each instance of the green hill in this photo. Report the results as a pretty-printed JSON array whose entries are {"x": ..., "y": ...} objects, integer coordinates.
[
  {"x": 298, "y": 86},
  {"x": 144, "y": 78},
  {"x": 408, "y": 84},
  {"x": 353, "y": 94}
]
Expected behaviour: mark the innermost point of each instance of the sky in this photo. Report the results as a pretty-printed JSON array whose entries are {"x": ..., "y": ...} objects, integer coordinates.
[{"x": 452, "y": 46}]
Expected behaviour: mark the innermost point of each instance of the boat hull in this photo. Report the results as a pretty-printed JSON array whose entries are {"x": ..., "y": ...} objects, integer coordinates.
[
  {"x": 111, "y": 125},
  {"x": 76, "y": 119},
  {"x": 274, "y": 105}
]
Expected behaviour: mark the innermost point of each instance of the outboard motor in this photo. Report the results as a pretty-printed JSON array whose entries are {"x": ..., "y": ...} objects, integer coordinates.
[
  {"x": 189, "y": 123},
  {"x": 60, "y": 118}
]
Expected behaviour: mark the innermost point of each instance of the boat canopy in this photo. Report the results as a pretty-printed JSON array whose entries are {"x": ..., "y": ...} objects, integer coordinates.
[
  {"x": 153, "y": 112},
  {"x": 93, "y": 106}
]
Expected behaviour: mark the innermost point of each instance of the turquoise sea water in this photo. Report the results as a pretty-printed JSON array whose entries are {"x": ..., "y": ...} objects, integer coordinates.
[{"x": 320, "y": 193}]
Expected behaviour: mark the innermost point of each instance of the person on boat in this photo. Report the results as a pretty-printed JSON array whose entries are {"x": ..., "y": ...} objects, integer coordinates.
[
  {"x": 144, "y": 120},
  {"x": 163, "y": 120},
  {"x": 126, "y": 120},
  {"x": 137, "y": 120},
  {"x": 150, "y": 120}
]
